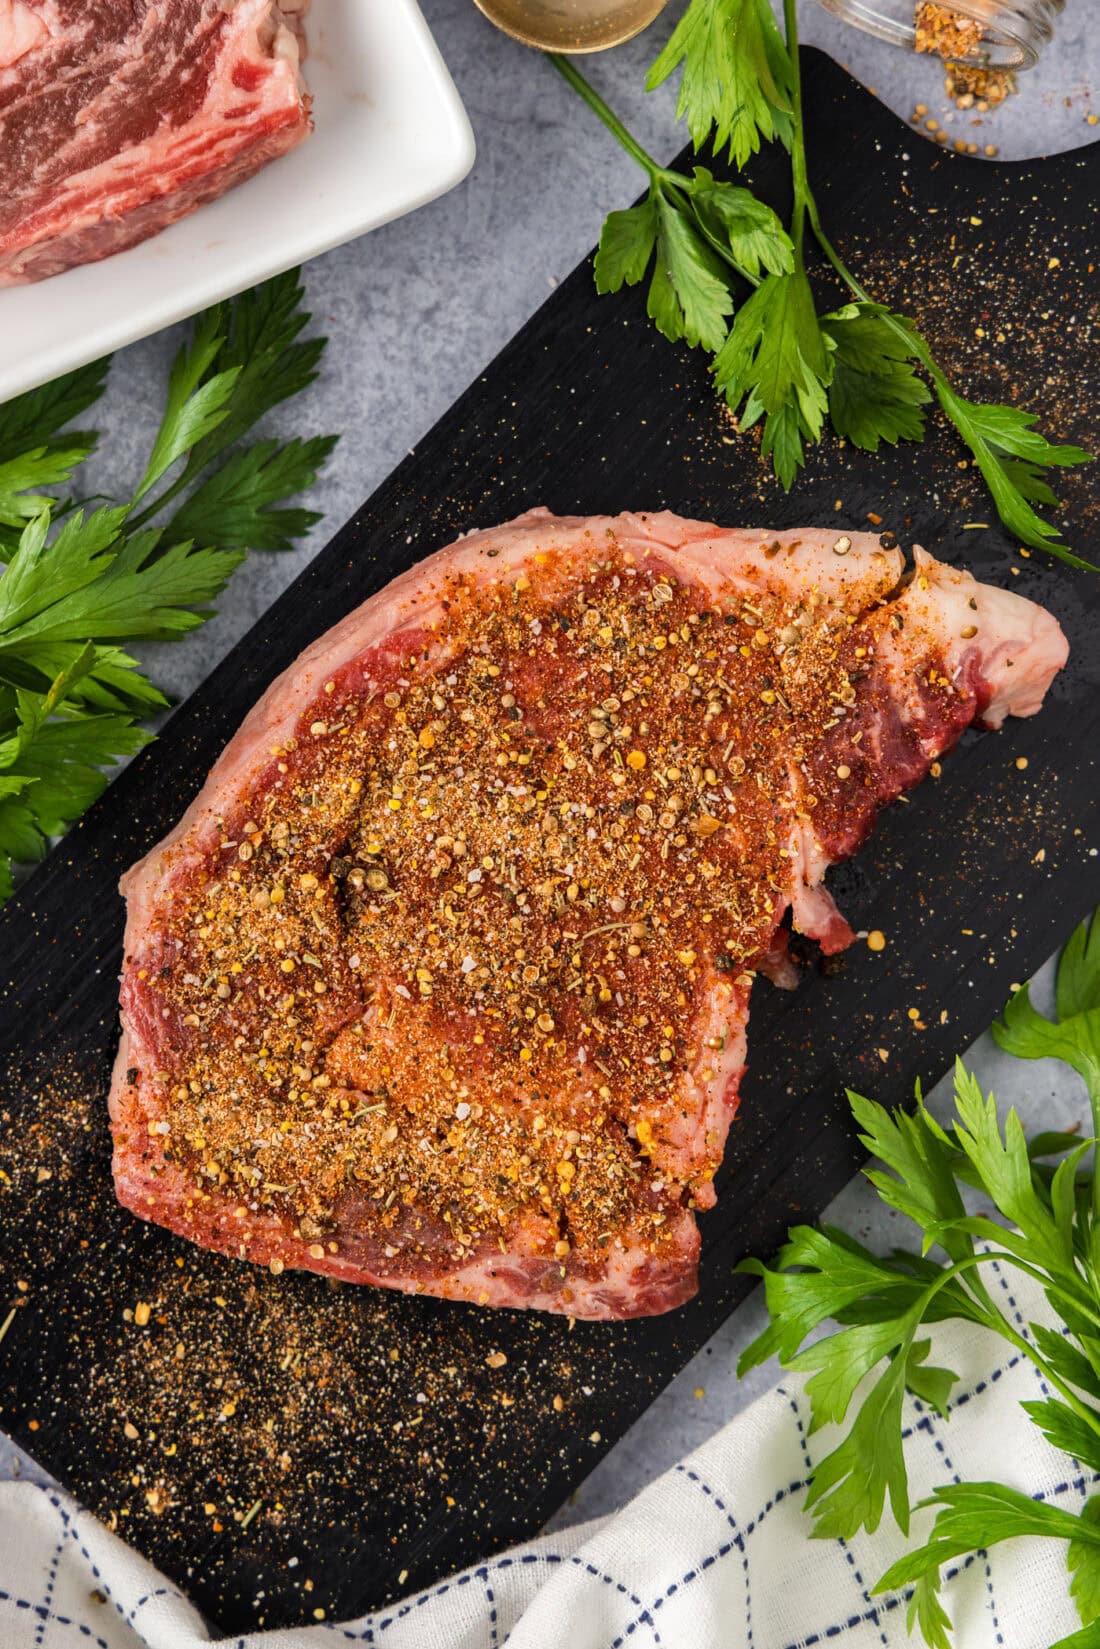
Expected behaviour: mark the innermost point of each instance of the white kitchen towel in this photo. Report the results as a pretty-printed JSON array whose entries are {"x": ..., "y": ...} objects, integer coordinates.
[{"x": 716, "y": 1554}]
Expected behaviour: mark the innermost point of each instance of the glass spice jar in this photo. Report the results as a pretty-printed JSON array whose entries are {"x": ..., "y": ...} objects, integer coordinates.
[{"x": 1010, "y": 34}]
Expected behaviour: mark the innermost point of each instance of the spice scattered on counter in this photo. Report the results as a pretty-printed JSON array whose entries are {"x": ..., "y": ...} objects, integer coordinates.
[{"x": 978, "y": 86}]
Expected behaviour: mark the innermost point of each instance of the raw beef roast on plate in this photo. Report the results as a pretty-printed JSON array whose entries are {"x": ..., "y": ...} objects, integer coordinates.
[
  {"x": 441, "y": 983},
  {"x": 115, "y": 120}
]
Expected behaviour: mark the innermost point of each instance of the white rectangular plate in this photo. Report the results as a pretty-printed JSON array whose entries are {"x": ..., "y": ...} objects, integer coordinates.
[{"x": 390, "y": 135}]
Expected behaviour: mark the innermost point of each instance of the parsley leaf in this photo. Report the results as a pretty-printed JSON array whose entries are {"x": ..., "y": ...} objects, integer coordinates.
[
  {"x": 157, "y": 594},
  {"x": 841, "y": 1361},
  {"x": 41, "y": 574},
  {"x": 114, "y": 682},
  {"x": 1075, "y": 1035},
  {"x": 927, "y": 1611},
  {"x": 33, "y": 454},
  {"x": 817, "y": 1274},
  {"x": 688, "y": 298},
  {"x": 627, "y": 242},
  {"x": 777, "y": 363},
  {"x": 924, "y": 1161},
  {"x": 234, "y": 506},
  {"x": 47, "y": 466},
  {"x": 874, "y": 395},
  {"x": 1083, "y": 1562},
  {"x": 196, "y": 404},
  {"x": 740, "y": 227},
  {"x": 737, "y": 77},
  {"x": 1066, "y": 1430},
  {"x": 34, "y": 418},
  {"x": 973, "y": 1516},
  {"x": 1003, "y": 1163},
  {"x": 50, "y": 765},
  {"x": 246, "y": 358},
  {"x": 849, "y": 1486},
  {"x": 92, "y": 584},
  {"x": 108, "y": 586},
  {"x": 1012, "y": 455},
  {"x": 261, "y": 347},
  {"x": 703, "y": 234},
  {"x": 1087, "y": 1638}
]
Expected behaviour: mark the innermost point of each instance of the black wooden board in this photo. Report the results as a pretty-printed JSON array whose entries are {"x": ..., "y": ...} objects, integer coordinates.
[{"x": 380, "y": 1448}]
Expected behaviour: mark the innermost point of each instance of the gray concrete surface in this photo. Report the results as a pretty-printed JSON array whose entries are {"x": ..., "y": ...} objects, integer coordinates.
[{"x": 416, "y": 309}]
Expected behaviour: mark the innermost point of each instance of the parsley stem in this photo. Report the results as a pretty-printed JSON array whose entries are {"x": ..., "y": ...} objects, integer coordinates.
[
  {"x": 996, "y": 1321},
  {"x": 661, "y": 178},
  {"x": 798, "y": 142},
  {"x": 573, "y": 77},
  {"x": 150, "y": 510},
  {"x": 805, "y": 203},
  {"x": 958, "y": 413}
]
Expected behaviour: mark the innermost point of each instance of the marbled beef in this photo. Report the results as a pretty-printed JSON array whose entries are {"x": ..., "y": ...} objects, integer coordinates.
[{"x": 117, "y": 119}]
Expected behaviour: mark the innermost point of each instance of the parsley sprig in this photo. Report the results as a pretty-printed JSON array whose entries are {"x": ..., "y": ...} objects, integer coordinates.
[
  {"x": 1045, "y": 1223},
  {"x": 726, "y": 276},
  {"x": 81, "y": 579}
]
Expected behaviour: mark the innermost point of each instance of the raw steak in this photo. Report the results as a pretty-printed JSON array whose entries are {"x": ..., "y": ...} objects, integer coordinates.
[
  {"x": 441, "y": 982},
  {"x": 115, "y": 120}
]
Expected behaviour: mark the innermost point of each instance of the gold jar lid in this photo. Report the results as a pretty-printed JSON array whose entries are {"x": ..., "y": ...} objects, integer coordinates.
[{"x": 571, "y": 25}]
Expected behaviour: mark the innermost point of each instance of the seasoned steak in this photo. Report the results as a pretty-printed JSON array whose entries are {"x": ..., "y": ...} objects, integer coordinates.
[
  {"x": 117, "y": 119},
  {"x": 441, "y": 982}
]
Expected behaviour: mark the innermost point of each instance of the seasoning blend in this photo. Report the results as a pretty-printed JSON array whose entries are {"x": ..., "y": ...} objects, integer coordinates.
[
  {"x": 990, "y": 34},
  {"x": 572, "y": 25}
]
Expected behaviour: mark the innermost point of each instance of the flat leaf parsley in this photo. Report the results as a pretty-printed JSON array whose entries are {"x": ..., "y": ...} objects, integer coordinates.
[
  {"x": 727, "y": 276},
  {"x": 1046, "y": 1224},
  {"x": 79, "y": 581}
]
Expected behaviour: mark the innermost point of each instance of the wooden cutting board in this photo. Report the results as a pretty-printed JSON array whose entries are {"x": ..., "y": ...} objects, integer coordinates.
[{"x": 278, "y": 1445}]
